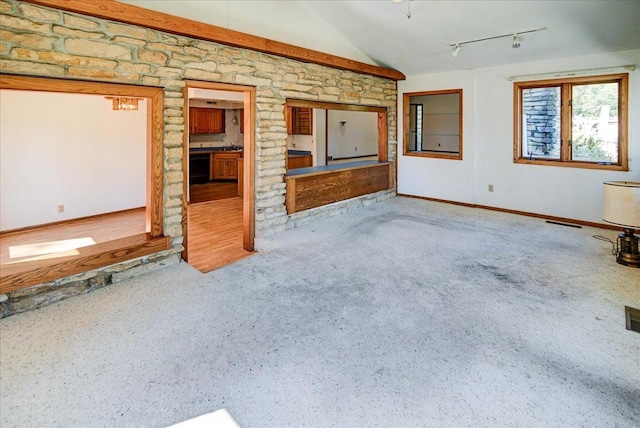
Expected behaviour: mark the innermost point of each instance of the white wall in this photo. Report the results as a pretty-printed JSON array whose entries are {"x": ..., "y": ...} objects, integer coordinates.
[
  {"x": 358, "y": 137},
  {"x": 71, "y": 150},
  {"x": 488, "y": 146}
]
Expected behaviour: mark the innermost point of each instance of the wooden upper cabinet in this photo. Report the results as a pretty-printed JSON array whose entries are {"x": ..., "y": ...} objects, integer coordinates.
[
  {"x": 241, "y": 119},
  {"x": 299, "y": 121},
  {"x": 206, "y": 120}
]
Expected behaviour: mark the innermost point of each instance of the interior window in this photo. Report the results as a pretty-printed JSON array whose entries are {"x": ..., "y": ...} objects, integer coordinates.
[{"x": 433, "y": 124}]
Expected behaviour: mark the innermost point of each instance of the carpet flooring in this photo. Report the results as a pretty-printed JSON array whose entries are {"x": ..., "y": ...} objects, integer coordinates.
[{"x": 403, "y": 313}]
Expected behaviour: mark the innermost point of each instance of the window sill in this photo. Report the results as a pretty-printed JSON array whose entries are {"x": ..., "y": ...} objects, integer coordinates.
[
  {"x": 21, "y": 275},
  {"x": 574, "y": 164},
  {"x": 434, "y": 155}
]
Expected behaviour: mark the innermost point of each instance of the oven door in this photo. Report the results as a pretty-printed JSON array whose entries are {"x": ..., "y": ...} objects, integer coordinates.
[{"x": 199, "y": 168}]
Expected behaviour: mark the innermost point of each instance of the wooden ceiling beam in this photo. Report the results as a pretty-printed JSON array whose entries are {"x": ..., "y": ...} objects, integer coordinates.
[{"x": 134, "y": 15}]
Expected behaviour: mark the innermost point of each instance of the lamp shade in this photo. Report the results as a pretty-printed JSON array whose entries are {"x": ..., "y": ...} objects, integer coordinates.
[{"x": 622, "y": 203}]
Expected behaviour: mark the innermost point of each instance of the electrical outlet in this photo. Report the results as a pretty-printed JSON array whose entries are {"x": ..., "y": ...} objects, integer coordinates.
[
  {"x": 60, "y": 208},
  {"x": 491, "y": 187}
]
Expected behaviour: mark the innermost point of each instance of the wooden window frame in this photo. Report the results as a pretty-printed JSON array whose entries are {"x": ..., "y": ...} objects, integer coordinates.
[
  {"x": 116, "y": 251},
  {"x": 565, "y": 85},
  {"x": 406, "y": 101},
  {"x": 383, "y": 137}
]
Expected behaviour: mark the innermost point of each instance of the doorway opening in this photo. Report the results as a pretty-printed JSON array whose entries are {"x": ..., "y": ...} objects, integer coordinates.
[
  {"x": 218, "y": 164},
  {"x": 63, "y": 209}
]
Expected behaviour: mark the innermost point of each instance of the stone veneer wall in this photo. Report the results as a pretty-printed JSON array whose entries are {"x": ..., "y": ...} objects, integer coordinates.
[{"x": 46, "y": 42}]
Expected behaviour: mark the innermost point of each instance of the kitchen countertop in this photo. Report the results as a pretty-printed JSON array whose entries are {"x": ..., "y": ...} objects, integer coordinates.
[
  {"x": 327, "y": 168},
  {"x": 213, "y": 149},
  {"x": 294, "y": 153}
]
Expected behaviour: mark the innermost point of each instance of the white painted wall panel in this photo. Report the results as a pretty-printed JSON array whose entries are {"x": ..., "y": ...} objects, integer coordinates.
[
  {"x": 358, "y": 137},
  {"x": 440, "y": 178},
  {"x": 488, "y": 146}
]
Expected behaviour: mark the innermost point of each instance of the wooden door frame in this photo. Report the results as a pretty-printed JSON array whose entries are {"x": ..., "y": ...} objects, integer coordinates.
[
  {"x": 248, "y": 189},
  {"x": 119, "y": 250}
]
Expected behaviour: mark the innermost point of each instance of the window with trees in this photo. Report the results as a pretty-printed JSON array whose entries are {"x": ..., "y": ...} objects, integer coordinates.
[{"x": 577, "y": 122}]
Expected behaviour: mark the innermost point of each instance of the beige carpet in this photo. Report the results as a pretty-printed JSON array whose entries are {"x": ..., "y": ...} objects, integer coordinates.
[{"x": 404, "y": 313}]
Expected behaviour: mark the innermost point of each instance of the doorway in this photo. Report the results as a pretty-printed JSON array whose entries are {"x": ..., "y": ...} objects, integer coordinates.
[
  {"x": 64, "y": 211},
  {"x": 218, "y": 165}
]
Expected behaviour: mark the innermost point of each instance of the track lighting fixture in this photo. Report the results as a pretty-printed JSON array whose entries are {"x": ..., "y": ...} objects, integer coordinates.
[
  {"x": 516, "y": 41},
  {"x": 514, "y": 44}
]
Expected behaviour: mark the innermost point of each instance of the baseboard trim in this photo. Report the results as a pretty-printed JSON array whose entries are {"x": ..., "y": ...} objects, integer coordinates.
[{"x": 523, "y": 213}]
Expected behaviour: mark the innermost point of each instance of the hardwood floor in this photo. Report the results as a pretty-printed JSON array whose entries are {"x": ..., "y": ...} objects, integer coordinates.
[
  {"x": 215, "y": 236},
  {"x": 60, "y": 239},
  {"x": 215, "y": 233},
  {"x": 212, "y": 191}
]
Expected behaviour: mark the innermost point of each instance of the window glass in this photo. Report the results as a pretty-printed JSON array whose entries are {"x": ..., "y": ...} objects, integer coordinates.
[
  {"x": 579, "y": 122},
  {"x": 541, "y": 122},
  {"x": 594, "y": 133}
]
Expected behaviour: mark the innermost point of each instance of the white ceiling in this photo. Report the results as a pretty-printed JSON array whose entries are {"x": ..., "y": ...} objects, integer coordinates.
[{"x": 378, "y": 31}]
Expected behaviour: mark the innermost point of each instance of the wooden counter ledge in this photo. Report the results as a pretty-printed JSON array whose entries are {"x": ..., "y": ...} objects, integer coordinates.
[{"x": 321, "y": 185}]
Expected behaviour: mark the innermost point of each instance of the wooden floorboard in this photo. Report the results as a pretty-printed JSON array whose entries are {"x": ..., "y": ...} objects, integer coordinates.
[
  {"x": 212, "y": 191},
  {"x": 215, "y": 234},
  {"x": 49, "y": 252},
  {"x": 107, "y": 227}
]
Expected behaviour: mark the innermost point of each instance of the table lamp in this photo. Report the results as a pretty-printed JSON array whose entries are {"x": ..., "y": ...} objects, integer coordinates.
[{"x": 622, "y": 208}]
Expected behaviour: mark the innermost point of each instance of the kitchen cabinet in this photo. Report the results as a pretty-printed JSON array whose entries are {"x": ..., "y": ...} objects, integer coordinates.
[
  {"x": 241, "y": 119},
  {"x": 299, "y": 161},
  {"x": 206, "y": 120},
  {"x": 299, "y": 121},
  {"x": 224, "y": 166}
]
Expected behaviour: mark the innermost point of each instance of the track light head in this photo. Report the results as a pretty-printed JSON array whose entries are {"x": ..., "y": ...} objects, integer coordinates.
[
  {"x": 516, "y": 41},
  {"x": 456, "y": 50}
]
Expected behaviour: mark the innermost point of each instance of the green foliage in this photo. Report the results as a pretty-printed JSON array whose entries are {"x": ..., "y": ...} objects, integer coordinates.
[
  {"x": 589, "y": 99},
  {"x": 588, "y": 148}
]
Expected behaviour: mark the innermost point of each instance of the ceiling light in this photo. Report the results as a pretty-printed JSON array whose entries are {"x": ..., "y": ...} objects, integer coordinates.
[
  {"x": 516, "y": 41},
  {"x": 515, "y": 44},
  {"x": 124, "y": 103},
  {"x": 408, "y": 7}
]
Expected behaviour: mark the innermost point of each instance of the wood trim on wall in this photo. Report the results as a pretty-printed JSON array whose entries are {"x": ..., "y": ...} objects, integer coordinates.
[
  {"x": 134, "y": 15},
  {"x": 248, "y": 190},
  {"x": 524, "y": 213}
]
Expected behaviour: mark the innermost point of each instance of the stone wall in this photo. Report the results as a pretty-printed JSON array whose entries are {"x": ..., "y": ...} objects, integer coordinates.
[
  {"x": 541, "y": 108},
  {"x": 46, "y": 42}
]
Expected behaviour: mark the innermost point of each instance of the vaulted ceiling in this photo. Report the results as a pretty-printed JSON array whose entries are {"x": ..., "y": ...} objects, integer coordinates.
[{"x": 379, "y": 32}]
